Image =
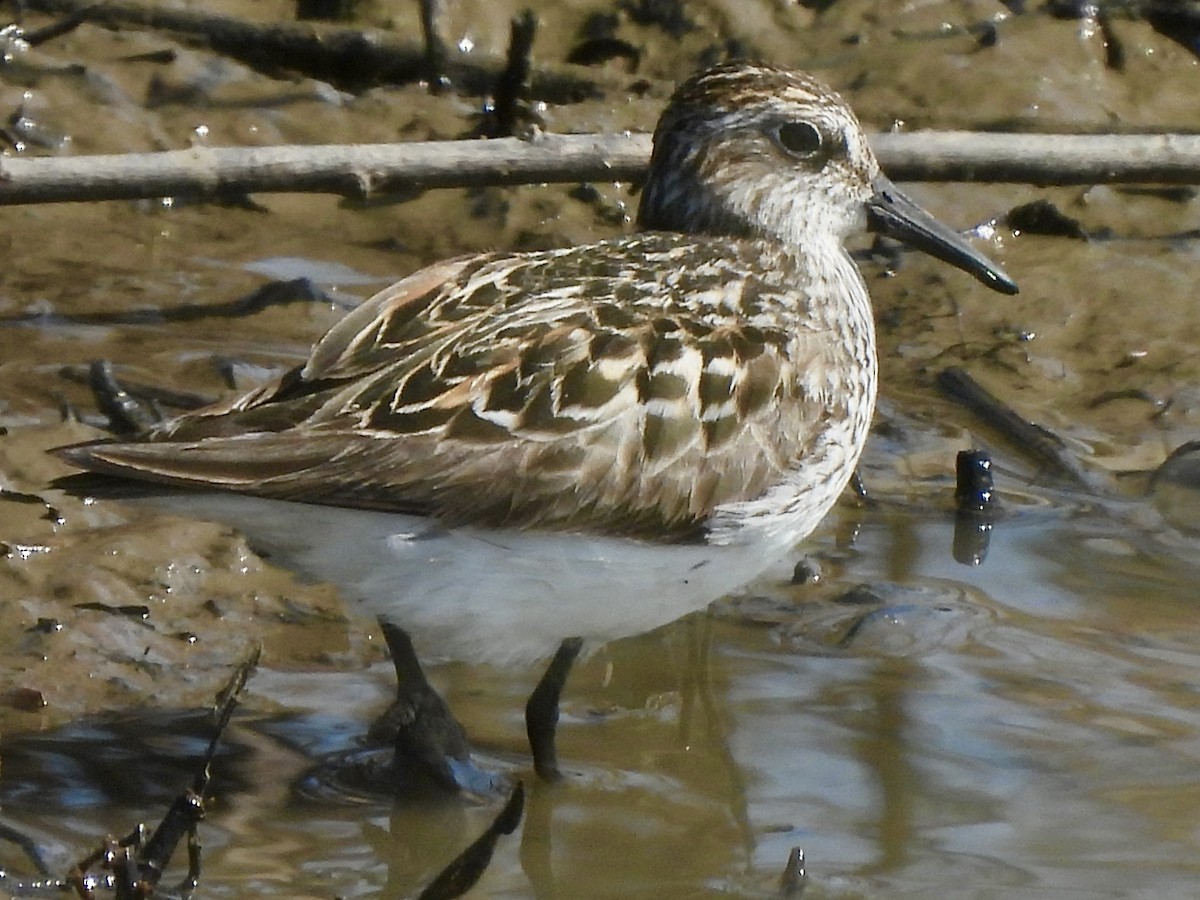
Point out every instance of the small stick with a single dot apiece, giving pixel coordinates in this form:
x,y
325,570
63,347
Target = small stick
x,y
1039,442
28,845
54,30
976,507
149,393
974,491
127,414
795,876
436,53
513,83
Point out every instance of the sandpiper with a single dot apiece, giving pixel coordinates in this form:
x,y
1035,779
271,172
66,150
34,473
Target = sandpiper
x,y
707,383
709,380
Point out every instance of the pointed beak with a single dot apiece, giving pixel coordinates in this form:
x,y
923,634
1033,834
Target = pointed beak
x,y
890,212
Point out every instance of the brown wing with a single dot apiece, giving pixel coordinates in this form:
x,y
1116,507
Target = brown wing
x,y
609,387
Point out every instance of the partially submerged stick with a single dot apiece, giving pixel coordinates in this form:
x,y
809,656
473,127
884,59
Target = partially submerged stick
x,y
1038,442
362,170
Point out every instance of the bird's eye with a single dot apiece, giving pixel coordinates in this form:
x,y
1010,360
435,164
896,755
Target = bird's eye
x,y
800,138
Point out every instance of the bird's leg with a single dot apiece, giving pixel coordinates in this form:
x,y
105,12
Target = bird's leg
x,y
430,744
541,712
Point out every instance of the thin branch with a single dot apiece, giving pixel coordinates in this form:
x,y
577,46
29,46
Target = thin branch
x,y
359,171
1044,159
363,170
433,15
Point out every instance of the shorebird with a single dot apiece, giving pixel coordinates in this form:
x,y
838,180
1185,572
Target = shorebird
x,y
708,381
713,376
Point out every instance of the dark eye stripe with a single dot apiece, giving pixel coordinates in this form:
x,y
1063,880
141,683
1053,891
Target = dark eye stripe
x,y
800,138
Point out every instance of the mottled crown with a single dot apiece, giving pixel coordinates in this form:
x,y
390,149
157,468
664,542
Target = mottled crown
x,y
752,149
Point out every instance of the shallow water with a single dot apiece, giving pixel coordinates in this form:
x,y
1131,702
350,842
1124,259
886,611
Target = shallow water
x,y
1026,727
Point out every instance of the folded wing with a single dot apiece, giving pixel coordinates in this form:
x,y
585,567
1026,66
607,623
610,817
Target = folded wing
x,y
564,389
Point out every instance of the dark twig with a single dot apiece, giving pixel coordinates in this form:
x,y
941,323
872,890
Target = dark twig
x,y
974,490
137,862
150,393
508,108
274,293
27,845
975,499
436,49
794,877
1039,442
65,25
187,810
126,413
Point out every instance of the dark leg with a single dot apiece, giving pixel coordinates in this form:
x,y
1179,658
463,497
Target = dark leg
x,y
541,712
431,746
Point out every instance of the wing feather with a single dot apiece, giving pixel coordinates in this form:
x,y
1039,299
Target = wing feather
x,y
567,389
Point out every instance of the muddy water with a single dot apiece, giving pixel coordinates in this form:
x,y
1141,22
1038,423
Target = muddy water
x,y
1024,727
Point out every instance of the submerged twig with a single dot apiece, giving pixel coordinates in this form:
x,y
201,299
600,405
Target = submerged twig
x,y
28,846
66,25
360,170
148,393
1037,441
137,862
127,413
274,293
